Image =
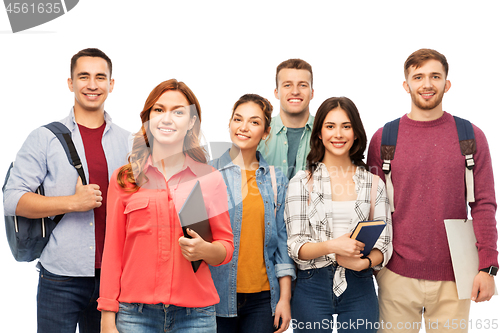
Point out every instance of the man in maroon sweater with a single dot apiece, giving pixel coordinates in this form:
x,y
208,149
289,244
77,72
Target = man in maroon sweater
x,y
428,174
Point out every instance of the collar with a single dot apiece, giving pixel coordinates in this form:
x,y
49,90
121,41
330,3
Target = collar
x,y
226,161
195,167
277,124
359,175
72,123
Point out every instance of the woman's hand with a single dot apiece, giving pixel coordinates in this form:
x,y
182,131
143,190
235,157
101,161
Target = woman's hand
x,y
343,245
352,263
283,311
192,248
347,246
359,264
196,248
108,324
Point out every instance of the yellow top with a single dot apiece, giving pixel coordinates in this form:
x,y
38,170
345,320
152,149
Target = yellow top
x,y
252,275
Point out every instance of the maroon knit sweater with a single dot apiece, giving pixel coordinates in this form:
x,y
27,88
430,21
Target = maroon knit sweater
x,y
428,173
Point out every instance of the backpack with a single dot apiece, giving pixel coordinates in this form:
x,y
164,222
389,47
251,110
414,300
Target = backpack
x,y
27,237
467,146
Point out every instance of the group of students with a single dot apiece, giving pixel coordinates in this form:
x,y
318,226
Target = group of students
x,y
281,204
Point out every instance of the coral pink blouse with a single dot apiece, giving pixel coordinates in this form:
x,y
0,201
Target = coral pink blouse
x,y
142,261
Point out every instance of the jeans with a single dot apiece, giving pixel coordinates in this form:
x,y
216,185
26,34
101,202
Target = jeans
x,y
65,301
314,303
156,318
254,315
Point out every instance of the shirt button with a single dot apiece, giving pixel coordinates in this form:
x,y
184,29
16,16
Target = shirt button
x,y
91,247
284,161
285,142
91,223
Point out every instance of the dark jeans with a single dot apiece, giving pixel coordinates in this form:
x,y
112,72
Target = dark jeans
x,y
254,315
314,303
65,301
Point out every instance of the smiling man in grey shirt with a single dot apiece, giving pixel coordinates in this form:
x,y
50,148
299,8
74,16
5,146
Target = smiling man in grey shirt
x,y
70,263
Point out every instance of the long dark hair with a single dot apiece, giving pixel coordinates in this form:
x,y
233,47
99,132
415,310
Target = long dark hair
x,y
318,149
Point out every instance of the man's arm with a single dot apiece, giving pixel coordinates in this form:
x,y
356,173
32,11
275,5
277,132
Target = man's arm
x,y
86,197
483,212
31,169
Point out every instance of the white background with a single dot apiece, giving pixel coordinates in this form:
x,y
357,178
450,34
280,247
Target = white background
x,y
223,50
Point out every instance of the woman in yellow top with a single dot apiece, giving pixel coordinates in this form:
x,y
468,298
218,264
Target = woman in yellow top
x,y
255,287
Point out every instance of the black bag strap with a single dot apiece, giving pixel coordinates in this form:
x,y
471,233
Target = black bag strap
x,y
468,149
63,134
467,146
387,151
389,140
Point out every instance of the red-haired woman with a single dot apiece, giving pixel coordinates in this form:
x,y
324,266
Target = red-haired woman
x,y
148,283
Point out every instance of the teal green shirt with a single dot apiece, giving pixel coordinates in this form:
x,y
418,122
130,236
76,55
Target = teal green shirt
x,y
275,148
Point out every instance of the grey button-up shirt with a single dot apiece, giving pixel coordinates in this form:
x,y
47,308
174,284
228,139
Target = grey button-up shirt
x,y
71,247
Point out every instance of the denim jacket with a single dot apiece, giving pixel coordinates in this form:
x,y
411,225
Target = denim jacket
x,y
278,263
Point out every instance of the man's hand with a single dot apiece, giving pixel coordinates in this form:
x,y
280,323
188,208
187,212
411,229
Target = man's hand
x,y
34,206
86,197
483,287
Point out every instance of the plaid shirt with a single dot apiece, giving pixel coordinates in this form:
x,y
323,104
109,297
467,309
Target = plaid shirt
x,y
312,222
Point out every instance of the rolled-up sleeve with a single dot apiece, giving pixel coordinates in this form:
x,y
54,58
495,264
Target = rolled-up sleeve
x,y
296,218
220,223
382,211
284,264
28,172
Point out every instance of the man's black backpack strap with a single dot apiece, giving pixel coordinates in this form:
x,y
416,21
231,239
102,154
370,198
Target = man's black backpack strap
x,y
468,148
387,151
64,135
27,237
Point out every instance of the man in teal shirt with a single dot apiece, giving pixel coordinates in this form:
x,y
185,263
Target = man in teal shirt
x,y
288,144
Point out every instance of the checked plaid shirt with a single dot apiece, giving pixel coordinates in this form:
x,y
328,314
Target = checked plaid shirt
x,y
312,222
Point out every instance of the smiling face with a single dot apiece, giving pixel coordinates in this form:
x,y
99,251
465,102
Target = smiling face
x,y
170,119
247,126
294,90
337,134
91,84
427,85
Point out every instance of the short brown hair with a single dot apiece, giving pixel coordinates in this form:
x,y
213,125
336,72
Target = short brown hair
x,y
294,64
419,57
91,52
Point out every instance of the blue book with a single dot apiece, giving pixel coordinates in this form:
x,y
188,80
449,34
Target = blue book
x,y
368,233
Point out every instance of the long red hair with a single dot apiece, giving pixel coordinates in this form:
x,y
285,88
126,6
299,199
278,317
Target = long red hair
x,y
141,148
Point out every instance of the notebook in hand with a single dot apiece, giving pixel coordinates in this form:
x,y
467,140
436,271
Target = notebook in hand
x,y
193,215
368,232
464,255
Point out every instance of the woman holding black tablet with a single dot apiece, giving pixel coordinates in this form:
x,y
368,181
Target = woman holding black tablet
x,y
148,283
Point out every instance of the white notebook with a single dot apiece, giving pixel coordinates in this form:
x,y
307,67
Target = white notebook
x,y
464,256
